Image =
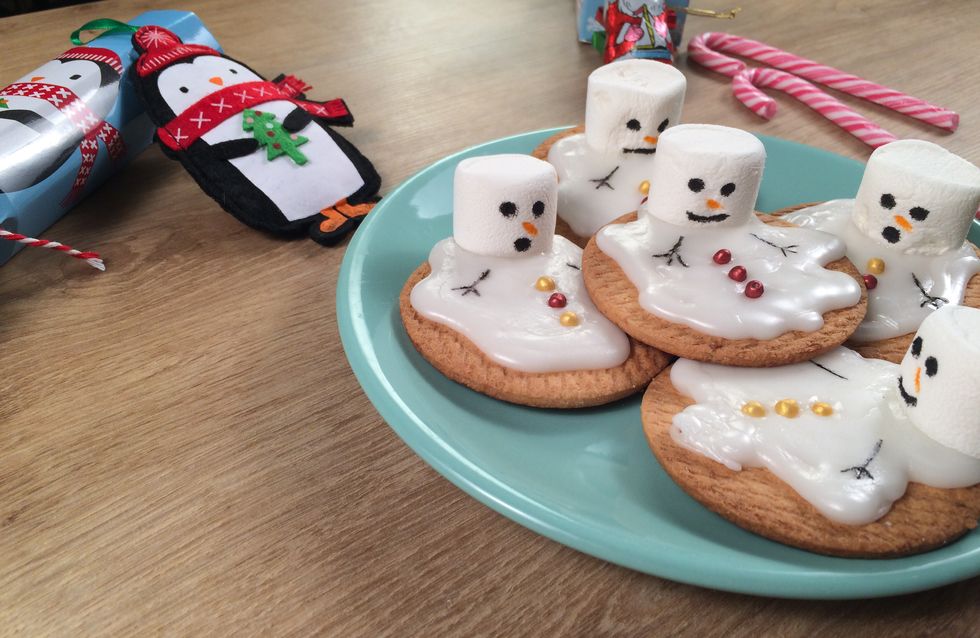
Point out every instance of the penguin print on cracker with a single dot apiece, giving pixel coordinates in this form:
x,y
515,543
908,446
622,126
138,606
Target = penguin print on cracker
x,y
54,111
604,169
262,150
907,230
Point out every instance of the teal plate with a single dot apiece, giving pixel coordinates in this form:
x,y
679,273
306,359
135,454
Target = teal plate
x,y
586,478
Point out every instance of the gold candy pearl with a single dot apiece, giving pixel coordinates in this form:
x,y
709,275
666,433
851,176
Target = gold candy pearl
x,y
754,409
876,266
545,284
787,408
822,409
645,187
568,319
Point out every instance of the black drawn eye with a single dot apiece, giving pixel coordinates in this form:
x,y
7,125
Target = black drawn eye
x,y
183,89
508,209
917,347
74,77
888,201
663,125
633,125
233,71
728,189
696,185
918,213
932,367
538,209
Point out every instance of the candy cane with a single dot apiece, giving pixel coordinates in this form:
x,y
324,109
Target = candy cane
x,y
92,259
704,48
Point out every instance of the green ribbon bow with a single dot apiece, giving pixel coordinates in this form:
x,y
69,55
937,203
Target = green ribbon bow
x,y
108,26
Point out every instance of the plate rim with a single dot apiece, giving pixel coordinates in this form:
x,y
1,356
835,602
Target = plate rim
x,y
812,583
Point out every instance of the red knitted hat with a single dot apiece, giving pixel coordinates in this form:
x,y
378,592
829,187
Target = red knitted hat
x,y
161,48
94,54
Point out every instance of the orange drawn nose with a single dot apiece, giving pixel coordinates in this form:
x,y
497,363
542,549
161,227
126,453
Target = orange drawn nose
x,y
904,223
650,140
918,379
713,205
217,80
531,229
37,78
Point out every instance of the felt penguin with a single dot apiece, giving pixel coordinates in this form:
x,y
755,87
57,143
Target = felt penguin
x,y
54,110
263,151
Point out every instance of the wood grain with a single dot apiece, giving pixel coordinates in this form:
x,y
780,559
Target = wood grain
x,y
183,448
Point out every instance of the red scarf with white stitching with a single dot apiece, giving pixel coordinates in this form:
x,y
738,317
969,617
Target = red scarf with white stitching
x,y
214,108
91,126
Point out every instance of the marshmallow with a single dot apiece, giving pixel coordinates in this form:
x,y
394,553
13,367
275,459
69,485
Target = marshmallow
x,y
917,197
940,381
504,205
629,104
705,176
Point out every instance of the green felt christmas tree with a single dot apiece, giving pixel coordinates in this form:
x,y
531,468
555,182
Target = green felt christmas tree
x,y
270,134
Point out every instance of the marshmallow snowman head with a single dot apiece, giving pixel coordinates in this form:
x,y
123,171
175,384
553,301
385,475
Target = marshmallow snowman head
x,y
917,197
505,205
940,379
628,105
705,176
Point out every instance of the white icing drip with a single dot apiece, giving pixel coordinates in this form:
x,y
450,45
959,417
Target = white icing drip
x,y
815,454
510,320
581,204
798,290
895,305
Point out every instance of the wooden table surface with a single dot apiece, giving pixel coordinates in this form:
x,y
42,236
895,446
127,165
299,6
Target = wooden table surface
x,y
183,447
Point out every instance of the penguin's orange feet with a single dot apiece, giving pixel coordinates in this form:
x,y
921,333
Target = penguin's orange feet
x,y
338,220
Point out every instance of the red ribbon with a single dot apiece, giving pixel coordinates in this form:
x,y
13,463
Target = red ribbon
x,y
214,108
92,127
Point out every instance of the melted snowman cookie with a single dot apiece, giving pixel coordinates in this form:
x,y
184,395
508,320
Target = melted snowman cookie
x,y
604,172
501,306
698,275
902,288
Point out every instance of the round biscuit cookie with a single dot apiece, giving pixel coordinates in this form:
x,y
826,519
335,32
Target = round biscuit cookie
x,y
894,349
617,298
461,360
756,499
541,152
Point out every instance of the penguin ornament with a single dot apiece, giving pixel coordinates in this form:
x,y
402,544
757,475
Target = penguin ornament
x,y
259,148
55,110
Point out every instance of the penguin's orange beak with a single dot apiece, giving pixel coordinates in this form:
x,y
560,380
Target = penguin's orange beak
x,y
904,223
37,78
650,140
918,379
531,229
217,80
713,204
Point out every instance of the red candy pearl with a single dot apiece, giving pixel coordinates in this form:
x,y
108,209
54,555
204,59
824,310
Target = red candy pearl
x,y
722,257
754,289
738,273
870,282
557,300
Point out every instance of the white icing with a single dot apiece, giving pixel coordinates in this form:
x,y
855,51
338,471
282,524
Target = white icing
x,y
814,454
585,204
896,306
510,320
798,290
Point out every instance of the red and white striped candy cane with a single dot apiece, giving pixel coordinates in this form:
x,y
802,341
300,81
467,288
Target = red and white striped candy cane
x,y
92,259
704,49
